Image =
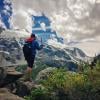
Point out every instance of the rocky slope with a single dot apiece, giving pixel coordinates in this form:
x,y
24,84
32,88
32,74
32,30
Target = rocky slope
x,y
6,95
67,57
11,53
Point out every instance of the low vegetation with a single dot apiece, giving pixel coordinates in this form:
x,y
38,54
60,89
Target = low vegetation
x,y
67,85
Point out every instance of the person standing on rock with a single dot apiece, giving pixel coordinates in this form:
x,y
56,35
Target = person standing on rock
x,y
29,49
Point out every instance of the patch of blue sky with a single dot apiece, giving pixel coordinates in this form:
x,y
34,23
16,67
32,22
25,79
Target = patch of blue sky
x,y
5,14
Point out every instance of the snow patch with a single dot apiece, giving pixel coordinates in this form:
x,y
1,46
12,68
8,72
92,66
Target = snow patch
x,y
56,44
14,34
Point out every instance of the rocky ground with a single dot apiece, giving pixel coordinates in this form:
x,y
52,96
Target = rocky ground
x,y
12,87
6,95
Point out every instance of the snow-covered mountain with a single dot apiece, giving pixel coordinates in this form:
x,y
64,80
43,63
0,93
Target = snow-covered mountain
x,y
14,34
66,57
51,54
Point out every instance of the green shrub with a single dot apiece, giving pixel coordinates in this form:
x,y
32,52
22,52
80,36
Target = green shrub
x,y
21,68
66,85
39,93
65,80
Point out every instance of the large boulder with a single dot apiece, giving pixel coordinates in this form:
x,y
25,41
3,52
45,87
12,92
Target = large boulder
x,y
10,51
44,74
6,95
24,88
8,75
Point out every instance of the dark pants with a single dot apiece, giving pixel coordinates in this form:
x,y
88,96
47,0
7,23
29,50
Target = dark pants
x,y
30,60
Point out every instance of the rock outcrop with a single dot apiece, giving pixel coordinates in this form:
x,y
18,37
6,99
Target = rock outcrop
x,y
8,75
44,73
8,79
6,95
10,51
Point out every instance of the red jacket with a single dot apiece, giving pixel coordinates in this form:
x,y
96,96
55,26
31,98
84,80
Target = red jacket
x,y
29,39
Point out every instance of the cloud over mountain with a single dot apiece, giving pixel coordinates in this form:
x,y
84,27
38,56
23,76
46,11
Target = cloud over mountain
x,y
74,20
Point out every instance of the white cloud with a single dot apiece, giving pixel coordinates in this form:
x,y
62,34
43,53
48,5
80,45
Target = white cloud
x,y
2,24
7,1
97,1
80,18
56,44
21,20
7,7
43,26
90,48
6,12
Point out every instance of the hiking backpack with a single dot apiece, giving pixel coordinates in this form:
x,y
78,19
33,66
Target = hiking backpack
x,y
27,49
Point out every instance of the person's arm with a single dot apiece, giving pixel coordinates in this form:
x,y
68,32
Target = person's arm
x,y
38,47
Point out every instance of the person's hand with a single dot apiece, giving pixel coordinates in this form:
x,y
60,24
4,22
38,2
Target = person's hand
x,y
42,45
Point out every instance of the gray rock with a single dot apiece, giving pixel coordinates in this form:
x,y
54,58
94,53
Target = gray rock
x,y
24,88
6,95
8,75
44,73
10,51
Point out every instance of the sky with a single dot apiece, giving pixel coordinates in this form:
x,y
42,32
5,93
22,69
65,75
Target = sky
x,y
5,13
74,20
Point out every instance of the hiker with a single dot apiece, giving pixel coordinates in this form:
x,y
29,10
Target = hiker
x,y
29,49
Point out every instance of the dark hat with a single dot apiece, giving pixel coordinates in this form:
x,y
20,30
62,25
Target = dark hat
x,y
33,35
